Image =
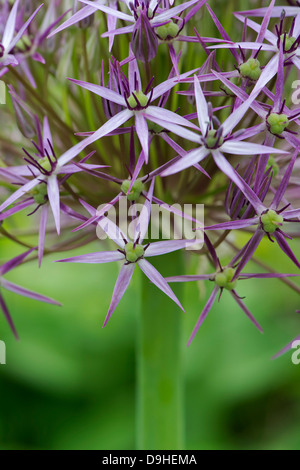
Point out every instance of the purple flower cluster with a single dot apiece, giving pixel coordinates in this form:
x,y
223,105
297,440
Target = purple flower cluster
x,y
220,133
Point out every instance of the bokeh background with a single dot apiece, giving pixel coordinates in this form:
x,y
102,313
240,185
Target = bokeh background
x,y
69,384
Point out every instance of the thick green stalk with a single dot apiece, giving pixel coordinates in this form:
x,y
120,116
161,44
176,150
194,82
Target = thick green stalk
x,y
160,417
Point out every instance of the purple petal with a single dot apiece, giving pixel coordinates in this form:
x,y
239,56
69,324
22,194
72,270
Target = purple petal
x,y
122,283
10,26
234,224
110,11
158,280
143,221
167,246
95,258
287,348
20,192
101,91
227,169
175,11
185,278
53,195
204,313
47,137
142,133
108,127
23,29
195,156
78,16
247,312
266,276
265,23
166,115
202,109
276,12
170,126
249,251
285,247
7,316
113,231
27,293
169,84
14,210
13,263
248,148
284,182
42,232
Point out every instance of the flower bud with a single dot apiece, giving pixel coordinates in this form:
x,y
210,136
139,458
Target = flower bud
x,y
136,190
224,278
271,221
144,42
277,123
251,69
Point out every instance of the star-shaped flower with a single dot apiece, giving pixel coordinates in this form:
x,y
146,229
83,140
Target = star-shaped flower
x,y
216,141
138,104
269,221
45,168
224,278
133,252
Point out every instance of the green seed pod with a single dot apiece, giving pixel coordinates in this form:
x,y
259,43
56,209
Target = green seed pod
x,y
271,221
289,42
136,190
167,31
141,97
224,278
277,123
212,139
251,69
133,253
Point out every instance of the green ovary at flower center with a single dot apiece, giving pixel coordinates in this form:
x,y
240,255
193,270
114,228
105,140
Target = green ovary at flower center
x,y
140,97
212,140
251,69
136,190
289,42
277,123
169,30
39,194
224,278
45,164
271,221
133,252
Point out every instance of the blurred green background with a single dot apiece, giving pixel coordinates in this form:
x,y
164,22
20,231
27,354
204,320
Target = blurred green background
x,y
69,384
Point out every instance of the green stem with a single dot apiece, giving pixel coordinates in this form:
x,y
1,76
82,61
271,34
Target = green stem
x,y
160,423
